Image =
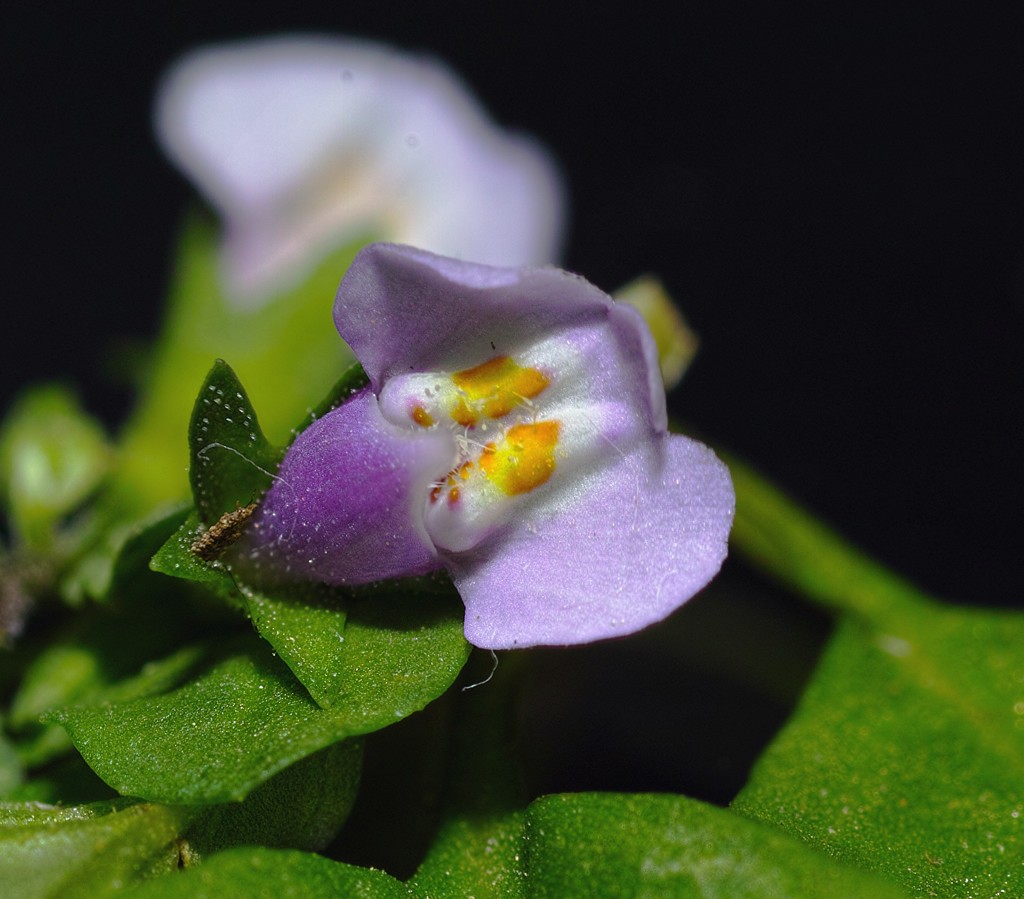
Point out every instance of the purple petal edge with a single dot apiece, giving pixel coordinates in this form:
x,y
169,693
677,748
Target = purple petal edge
x,y
401,309
640,539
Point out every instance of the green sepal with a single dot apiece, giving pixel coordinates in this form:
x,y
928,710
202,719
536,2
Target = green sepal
x,y
351,382
231,462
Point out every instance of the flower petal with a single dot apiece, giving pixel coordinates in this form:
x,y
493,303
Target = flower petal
x,y
403,309
347,505
306,143
636,541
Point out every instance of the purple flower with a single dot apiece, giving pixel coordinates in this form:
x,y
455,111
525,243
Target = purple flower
x,y
514,434
308,143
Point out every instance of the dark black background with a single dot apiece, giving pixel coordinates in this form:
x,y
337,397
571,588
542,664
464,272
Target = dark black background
x,y
836,199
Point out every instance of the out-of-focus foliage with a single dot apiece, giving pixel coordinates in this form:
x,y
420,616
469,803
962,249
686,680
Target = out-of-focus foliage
x,y
52,456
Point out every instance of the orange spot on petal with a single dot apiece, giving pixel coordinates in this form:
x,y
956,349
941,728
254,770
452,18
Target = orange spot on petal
x,y
463,414
421,416
496,387
524,459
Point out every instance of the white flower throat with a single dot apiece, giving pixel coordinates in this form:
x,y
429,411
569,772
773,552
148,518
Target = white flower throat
x,y
516,426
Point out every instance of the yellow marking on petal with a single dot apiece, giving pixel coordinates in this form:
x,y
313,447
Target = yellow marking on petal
x,y
463,414
524,459
495,387
451,483
421,416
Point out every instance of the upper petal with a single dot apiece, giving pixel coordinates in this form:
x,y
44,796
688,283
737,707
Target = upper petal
x,y
347,503
403,309
633,542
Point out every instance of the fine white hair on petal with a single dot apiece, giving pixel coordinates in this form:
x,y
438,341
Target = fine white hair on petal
x,y
304,143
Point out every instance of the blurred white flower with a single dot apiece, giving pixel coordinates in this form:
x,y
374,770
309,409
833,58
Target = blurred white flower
x,y
305,144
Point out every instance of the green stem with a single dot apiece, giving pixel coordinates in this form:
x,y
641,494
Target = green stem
x,y
779,537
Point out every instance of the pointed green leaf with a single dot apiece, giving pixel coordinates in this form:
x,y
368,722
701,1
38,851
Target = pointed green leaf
x,y
218,737
69,674
231,462
175,558
257,873
131,578
305,624
604,844
213,740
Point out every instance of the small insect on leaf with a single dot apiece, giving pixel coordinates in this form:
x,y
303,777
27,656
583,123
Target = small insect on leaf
x,y
212,542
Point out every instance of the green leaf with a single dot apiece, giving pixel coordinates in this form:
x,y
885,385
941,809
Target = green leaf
x,y
286,350
50,741
213,740
131,578
66,781
10,766
176,559
51,457
97,848
609,845
95,659
257,873
105,652
100,657
116,561
232,464
305,624
303,807
86,851
221,735
906,754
